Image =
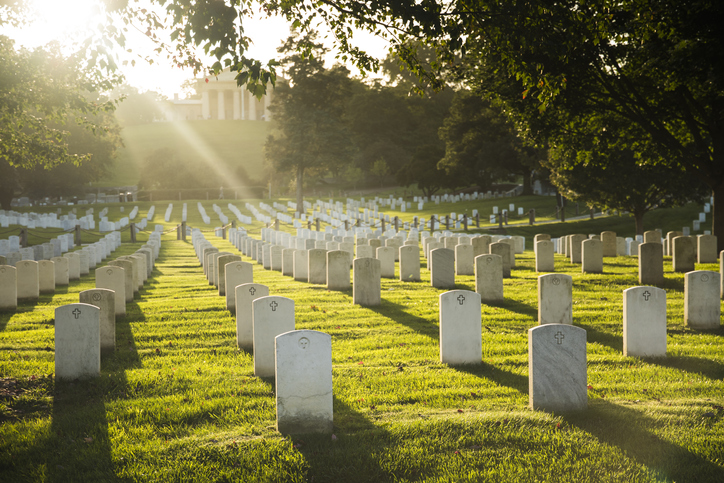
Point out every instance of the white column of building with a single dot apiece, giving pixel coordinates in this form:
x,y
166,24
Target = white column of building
x,y
237,100
244,117
222,114
252,107
205,108
267,101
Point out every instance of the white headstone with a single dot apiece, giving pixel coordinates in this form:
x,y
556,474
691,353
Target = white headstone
x,y
8,288
442,268
489,277
557,379
236,273
303,383
245,296
651,263
644,322
46,276
317,266
77,341
62,275
113,278
221,264
301,265
410,263
464,260
544,256
702,299
366,287
460,327
386,256
272,315
338,262
555,299
27,276
105,300
592,256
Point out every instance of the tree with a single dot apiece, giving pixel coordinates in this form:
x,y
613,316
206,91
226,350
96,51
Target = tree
x,y
137,107
380,170
482,146
423,170
600,162
353,175
308,106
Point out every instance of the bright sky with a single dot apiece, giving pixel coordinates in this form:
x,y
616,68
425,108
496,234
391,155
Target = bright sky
x,y
70,20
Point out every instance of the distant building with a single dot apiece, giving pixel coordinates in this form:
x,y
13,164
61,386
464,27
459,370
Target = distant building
x,y
221,99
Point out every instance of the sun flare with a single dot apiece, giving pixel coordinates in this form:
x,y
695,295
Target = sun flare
x,y
63,21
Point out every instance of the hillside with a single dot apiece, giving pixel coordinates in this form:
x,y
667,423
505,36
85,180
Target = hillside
x,y
226,142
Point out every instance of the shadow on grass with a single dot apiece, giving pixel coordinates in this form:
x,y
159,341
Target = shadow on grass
x,y
397,314
696,365
357,441
498,376
81,446
517,307
612,341
627,429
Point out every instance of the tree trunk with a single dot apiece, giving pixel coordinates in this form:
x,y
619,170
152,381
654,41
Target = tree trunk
x,y
527,185
300,189
717,216
639,219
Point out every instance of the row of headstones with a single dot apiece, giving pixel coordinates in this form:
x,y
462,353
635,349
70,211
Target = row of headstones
x,y
701,248
11,250
299,360
86,330
646,306
27,279
313,267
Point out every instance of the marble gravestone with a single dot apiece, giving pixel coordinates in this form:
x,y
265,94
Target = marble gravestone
x,y
442,268
557,378
410,263
221,263
592,256
489,277
503,251
366,284
272,315
77,341
608,244
644,322
27,277
8,288
113,278
460,327
706,248
683,254
337,270
62,275
575,248
555,299
73,266
105,300
317,266
464,260
386,256
245,296
46,276
303,382
544,259
651,263
129,284
236,273
288,262
365,251
702,300
301,265
275,255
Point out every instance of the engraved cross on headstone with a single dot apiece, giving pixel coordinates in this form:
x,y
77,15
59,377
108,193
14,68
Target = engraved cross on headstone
x,y
273,306
461,299
646,295
252,290
76,312
559,337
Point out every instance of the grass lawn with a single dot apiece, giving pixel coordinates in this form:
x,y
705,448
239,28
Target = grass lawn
x,y
178,401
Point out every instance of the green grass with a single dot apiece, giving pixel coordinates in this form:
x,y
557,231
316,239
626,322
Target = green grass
x,y
230,142
178,401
